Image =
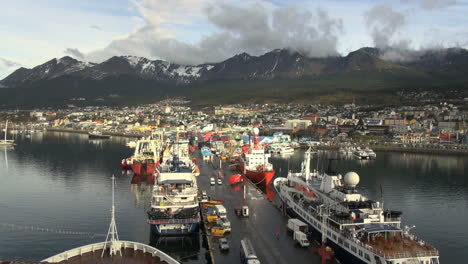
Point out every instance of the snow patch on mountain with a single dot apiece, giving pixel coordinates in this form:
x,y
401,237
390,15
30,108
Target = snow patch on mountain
x,y
133,60
187,71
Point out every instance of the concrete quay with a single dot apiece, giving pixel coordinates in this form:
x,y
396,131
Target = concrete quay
x,y
260,227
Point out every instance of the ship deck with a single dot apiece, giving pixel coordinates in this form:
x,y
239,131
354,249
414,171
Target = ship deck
x,y
402,246
129,256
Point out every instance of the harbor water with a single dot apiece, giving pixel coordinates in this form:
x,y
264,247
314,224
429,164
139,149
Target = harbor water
x,y
55,194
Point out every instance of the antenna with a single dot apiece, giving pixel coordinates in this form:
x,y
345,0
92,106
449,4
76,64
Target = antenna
x,y
112,235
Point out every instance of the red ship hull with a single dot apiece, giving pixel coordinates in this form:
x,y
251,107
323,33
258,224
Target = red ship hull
x,y
258,177
144,168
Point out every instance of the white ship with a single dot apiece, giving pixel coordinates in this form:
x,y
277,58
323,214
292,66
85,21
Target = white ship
x,y
174,204
359,230
360,154
370,153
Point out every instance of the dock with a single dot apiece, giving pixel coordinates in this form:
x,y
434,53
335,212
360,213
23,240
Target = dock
x,y
260,227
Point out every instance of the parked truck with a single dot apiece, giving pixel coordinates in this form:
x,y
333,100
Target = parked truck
x,y
295,224
301,238
247,253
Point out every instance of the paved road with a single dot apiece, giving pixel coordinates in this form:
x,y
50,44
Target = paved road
x,y
260,227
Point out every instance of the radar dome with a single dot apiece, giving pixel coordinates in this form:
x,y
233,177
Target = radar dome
x,y
256,131
351,179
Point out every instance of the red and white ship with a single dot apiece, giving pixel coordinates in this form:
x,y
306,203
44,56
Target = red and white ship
x,y
146,157
254,163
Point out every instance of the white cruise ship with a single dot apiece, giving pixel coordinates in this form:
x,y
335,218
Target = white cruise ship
x,y
359,230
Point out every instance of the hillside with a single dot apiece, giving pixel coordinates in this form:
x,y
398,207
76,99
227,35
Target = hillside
x,y
276,76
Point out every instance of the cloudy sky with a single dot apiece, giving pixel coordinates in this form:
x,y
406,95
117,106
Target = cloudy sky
x,y
197,31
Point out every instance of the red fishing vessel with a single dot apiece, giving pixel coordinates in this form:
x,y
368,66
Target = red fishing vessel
x,y
146,158
254,163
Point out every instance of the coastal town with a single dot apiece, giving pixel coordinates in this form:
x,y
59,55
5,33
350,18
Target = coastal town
x,y
436,127
186,155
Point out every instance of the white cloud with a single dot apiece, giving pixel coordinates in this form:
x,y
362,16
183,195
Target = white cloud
x,y
194,31
254,27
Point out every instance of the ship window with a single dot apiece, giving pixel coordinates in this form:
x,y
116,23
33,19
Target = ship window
x,y
366,256
346,244
353,248
340,240
377,260
328,233
360,253
334,237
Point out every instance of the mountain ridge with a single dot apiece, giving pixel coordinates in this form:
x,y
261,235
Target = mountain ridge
x,y
280,68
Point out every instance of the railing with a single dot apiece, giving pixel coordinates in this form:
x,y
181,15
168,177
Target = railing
x,y
173,221
187,191
167,203
397,255
103,245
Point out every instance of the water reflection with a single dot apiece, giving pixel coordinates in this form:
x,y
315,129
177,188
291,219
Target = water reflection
x,y
185,249
141,194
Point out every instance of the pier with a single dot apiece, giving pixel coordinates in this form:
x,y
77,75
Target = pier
x,y
260,227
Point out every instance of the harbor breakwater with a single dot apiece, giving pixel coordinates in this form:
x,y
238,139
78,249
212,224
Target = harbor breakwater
x,y
110,133
434,151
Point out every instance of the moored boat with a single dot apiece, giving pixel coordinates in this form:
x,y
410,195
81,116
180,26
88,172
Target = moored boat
x,y
174,204
360,154
359,230
96,134
254,163
146,156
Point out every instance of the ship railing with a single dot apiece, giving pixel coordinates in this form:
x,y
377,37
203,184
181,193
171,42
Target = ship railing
x,y
398,255
187,191
392,219
173,220
64,256
166,203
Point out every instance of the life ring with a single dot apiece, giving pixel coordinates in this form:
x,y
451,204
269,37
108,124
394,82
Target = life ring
x,y
259,167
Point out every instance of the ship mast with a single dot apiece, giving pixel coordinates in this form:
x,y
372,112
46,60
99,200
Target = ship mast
x,y
307,165
6,130
112,235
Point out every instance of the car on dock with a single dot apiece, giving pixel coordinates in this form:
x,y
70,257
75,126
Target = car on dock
x,y
204,197
212,181
223,244
220,182
225,223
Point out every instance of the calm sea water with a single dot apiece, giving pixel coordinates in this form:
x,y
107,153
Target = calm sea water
x,y
55,194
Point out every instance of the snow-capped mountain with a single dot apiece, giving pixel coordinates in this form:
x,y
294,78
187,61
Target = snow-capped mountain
x,y
241,77
130,65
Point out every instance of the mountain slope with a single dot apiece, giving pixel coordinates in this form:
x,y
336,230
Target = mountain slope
x,y
273,76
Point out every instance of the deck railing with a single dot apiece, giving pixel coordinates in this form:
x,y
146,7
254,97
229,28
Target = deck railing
x,y
103,245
